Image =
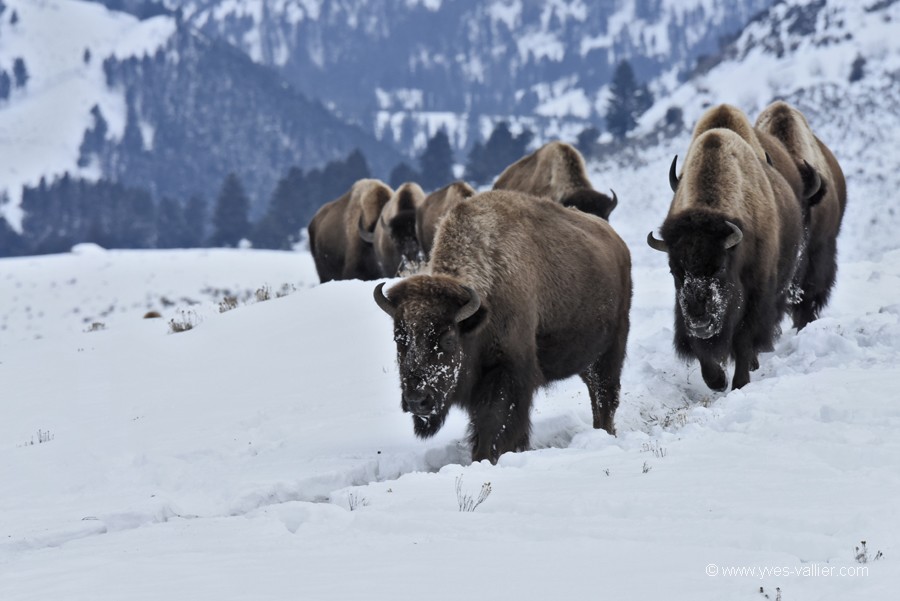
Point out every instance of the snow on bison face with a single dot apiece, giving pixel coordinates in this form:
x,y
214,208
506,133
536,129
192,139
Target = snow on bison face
x,y
429,326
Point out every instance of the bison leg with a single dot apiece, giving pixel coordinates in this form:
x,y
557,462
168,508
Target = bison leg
x,y
820,276
603,379
713,374
745,358
499,413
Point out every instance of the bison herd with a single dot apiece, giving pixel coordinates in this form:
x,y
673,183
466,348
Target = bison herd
x,y
508,290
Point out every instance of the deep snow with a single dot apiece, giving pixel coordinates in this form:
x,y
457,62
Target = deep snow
x,y
221,463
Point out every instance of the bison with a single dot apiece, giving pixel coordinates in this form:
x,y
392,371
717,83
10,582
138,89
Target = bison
x,y
825,207
556,170
433,209
339,231
732,236
497,316
803,179
396,245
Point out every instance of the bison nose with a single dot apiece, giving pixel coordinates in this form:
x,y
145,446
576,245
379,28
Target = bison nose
x,y
419,402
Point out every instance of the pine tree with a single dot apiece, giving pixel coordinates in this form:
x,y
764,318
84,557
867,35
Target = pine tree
x,y
195,219
282,219
502,148
5,85
20,72
436,162
171,226
402,173
230,223
94,138
628,101
587,140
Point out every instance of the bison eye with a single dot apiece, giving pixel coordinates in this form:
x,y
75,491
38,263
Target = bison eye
x,y
448,341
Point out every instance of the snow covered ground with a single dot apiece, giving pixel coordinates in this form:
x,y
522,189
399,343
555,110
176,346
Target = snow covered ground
x,y
263,454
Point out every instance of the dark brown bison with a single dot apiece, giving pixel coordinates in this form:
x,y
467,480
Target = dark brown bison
x,y
338,229
826,207
397,249
433,209
498,316
732,236
556,170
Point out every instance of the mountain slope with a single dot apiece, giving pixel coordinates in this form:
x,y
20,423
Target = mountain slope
x,y
404,69
178,111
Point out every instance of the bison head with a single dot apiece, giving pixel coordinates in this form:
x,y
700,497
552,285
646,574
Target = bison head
x,y
434,319
593,202
701,251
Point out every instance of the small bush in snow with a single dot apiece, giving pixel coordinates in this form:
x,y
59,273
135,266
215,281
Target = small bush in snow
x,y
96,327
186,322
647,467
766,595
285,290
42,437
466,501
653,447
263,294
228,303
355,502
862,553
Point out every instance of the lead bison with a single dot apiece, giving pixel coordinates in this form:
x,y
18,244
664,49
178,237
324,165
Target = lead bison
x,y
732,236
825,212
556,170
396,245
338,229
498,316
434,207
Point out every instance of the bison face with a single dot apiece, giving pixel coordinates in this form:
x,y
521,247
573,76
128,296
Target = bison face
x,y
431,331
701,259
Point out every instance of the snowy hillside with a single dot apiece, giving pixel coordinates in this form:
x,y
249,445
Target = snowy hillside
x,y
43,123
803,51
263,455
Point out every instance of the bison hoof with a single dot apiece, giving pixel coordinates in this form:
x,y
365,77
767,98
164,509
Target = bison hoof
x,y
714,376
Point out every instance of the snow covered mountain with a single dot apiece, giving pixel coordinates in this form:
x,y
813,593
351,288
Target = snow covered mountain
x,y
175,111
405,69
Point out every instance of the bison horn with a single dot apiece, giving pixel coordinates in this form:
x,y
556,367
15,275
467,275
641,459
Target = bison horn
x,y
673,176
469,309
735,237
365,234
615,200
812,181
384,302
657,244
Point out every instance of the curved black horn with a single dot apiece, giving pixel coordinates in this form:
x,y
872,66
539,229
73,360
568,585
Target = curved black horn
x,y
812,181
384,302
469,309
673,176
615,200
735,237
657,244
365,234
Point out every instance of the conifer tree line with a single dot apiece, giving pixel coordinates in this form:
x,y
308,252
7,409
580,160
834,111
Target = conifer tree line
x,y
67,211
